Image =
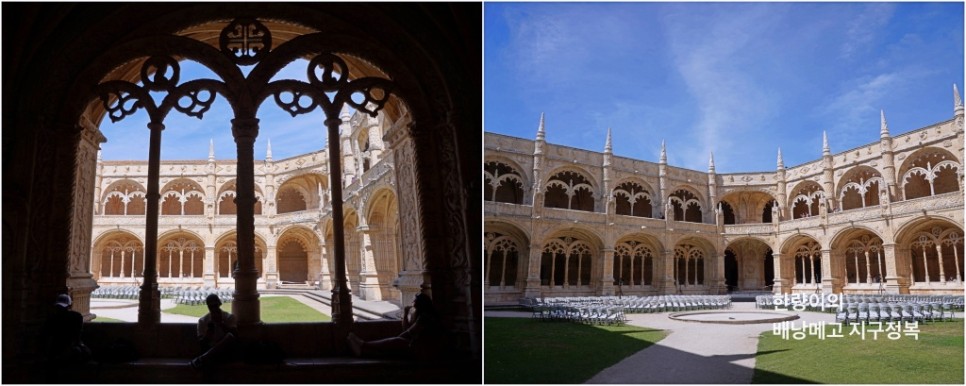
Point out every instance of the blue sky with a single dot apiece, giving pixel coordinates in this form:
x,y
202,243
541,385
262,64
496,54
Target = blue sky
x,y
187,138
736,79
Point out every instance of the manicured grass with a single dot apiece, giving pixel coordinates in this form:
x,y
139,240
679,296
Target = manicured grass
x,y
937,357
520,350
104,319
274,309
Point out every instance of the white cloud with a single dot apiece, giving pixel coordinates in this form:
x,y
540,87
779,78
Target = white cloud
x,y
712,60
864,27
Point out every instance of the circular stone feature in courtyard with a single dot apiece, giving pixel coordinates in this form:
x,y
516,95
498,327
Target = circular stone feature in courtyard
x,y
733,317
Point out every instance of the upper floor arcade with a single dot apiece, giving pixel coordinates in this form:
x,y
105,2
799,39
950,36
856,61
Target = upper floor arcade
x,y
534,178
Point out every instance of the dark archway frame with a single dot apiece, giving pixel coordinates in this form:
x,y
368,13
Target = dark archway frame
x,y
59,53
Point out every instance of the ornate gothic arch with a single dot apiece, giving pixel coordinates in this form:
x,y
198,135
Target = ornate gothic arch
x,y
430,145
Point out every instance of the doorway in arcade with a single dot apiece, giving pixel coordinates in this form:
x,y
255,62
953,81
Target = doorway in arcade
x,y
749,266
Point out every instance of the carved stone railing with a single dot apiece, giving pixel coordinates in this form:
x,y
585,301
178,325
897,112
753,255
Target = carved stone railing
x,y
742,229
801,223
570,215
949,200
684,226
492,208
299,217
855,215
382,169
624,220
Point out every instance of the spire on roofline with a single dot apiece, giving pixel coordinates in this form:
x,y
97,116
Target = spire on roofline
x,y
607,144
825,148
663,153
541,134
883,126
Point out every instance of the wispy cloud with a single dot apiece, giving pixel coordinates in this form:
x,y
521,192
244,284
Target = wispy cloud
x,y
864,27
712,60
854,111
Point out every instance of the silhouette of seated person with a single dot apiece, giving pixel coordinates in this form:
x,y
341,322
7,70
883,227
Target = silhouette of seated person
x,y
62,332
217,334
423,335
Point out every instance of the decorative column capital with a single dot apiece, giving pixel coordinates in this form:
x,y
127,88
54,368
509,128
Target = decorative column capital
x,y
244,129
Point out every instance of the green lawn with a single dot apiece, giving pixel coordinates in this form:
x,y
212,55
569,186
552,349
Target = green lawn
x,y
274,309
104,319
520,350
937,357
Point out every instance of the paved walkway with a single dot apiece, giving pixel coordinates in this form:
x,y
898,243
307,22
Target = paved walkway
x,y
692,352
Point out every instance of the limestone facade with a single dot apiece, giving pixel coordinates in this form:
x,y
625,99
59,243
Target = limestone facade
x,y
293,221
883,217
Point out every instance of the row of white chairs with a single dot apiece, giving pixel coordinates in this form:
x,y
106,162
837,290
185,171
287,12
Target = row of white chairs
x,y
181,295
953,302
116,292
893,312
670,303
580,313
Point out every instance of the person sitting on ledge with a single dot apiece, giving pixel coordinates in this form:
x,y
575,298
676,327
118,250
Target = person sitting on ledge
x,y
63,330
423,335
217,334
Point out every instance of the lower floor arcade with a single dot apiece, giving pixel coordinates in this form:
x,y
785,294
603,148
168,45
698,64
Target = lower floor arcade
x,y
923,255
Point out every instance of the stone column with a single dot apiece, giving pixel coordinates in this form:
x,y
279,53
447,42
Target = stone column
x,y
368,280
149,305
271,266
413,276
532,289
341,299
246,305
719,275
780,284
826,271
325,277
80,281
208,276
893,282
607,277
668,263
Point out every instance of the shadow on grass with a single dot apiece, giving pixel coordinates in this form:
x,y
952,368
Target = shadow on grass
x,y
521,350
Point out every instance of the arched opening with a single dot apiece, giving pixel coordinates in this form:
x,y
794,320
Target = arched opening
x,y
727,212
566,263
180,256
805,199
632,199
502,183
569,190
290,200
686,206
860,188
731,270
753,264
383,246
118,258
689,263
633,264
768,210
929,171
502,255
293,262
746,206
226,252
805,254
